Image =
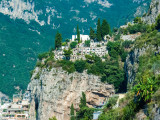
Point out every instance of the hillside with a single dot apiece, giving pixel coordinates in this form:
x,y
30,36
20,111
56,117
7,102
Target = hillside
x,y
28,27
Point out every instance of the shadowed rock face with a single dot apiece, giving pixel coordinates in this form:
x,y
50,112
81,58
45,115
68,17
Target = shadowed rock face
x,y
153,12
55,91
132,63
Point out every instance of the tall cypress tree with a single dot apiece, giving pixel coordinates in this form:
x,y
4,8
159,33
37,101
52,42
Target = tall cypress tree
x,y
92,34
99,37
83,100
105,28
58,40
78,34
72,113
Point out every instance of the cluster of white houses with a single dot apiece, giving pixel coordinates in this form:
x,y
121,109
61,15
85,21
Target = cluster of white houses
x,y
98,48
16,109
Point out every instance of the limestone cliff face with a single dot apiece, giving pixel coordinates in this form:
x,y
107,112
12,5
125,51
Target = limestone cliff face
x,y
55,90
132,63
153,12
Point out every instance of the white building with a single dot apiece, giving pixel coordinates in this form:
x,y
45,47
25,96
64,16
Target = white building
x,y
82,37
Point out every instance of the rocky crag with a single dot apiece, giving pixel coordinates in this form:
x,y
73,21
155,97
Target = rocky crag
x,y
153,12
132,63
54,90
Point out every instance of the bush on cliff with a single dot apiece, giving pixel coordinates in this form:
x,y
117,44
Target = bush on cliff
x,y
80,65
85,113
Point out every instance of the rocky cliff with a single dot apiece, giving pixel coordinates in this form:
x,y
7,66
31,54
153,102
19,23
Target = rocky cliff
x,y
132,63
153,12
53,91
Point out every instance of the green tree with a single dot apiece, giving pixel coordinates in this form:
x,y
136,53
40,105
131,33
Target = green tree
x,y
92,34
85,113
73,45
99,37
80,65
53,118
87,43
157,25
58,40
78,34
67,53
113,49
72,113
144,90
105,28
137,20
83,101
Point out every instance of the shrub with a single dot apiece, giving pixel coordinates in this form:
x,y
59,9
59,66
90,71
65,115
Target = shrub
x,y
67,53
127,44
73,45
53,118
111,102
64,44
38,64
67,65
80,65
87,43
43,55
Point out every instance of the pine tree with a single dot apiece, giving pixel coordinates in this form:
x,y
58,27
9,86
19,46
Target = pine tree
x,y
78,34
105,28
92,34
99,38
72,113
83,100
58,40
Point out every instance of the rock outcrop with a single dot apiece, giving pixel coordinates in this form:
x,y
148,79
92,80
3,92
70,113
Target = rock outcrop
x,y
132,63
53,91
153,12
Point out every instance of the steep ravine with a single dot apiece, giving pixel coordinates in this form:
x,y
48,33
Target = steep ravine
x,y
55,90
132,63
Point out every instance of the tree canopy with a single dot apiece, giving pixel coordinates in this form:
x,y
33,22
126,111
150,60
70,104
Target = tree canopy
x,y
105,28
73,44
99,37
67,53
92,34
78,34
80,65
72,113
58,40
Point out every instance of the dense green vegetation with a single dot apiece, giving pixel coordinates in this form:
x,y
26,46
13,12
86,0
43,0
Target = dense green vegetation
x,y
73,44
105,28
80,65
72,116
53,118
87,43
102,30
58,40
67,53
146,85
78,34
111,70
92,34
111,102
99,38
84,113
